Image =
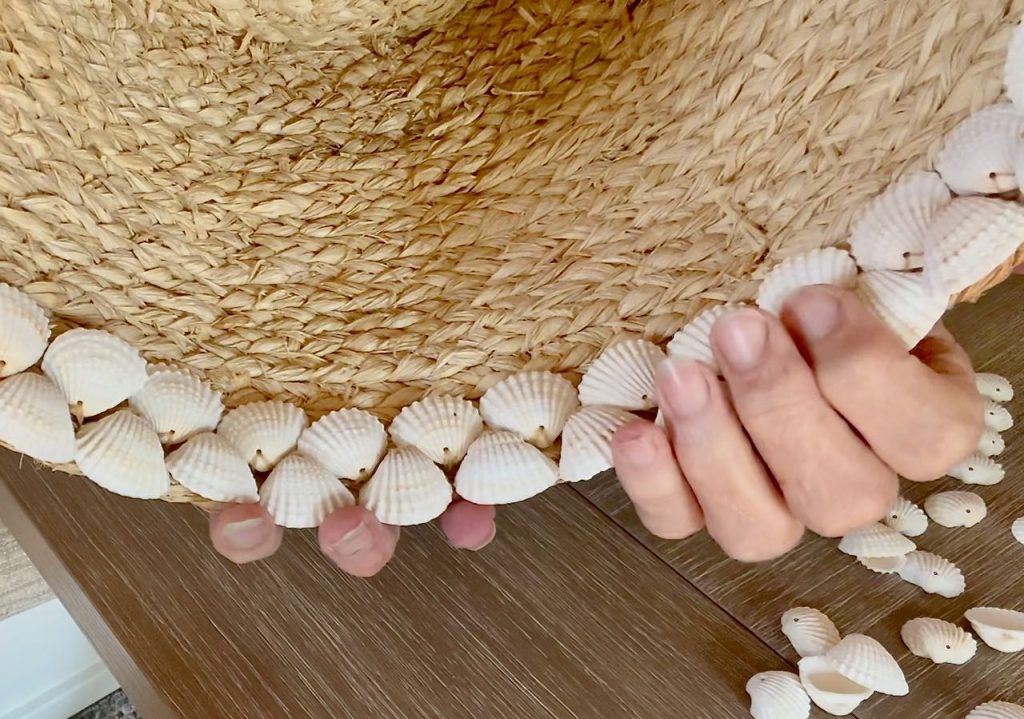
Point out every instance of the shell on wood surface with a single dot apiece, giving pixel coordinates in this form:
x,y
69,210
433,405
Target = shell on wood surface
x,y
993,386
300,493
997,417
777,695
865,661
826,266
441,427
991,444
884,565
407,488
534,405
904,301
24,331
933,574
997,710
34,418
349,443
263,432
623,376
1001,629
94,369
122,453
210,466
978,469
693,341
587,441
956,509
177,403
906,518
501,468
1013,69
938,640
1017,529
810,631
875,540
980,154
828,689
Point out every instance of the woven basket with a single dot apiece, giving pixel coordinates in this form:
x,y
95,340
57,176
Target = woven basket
x,y
352,202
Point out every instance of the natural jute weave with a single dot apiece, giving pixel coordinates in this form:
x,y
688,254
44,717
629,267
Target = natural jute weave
x,y
345,203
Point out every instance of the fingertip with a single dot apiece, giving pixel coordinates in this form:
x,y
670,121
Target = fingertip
x,y
468,526
245,533
356,541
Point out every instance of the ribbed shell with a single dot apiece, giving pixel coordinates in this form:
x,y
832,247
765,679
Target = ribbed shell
x,y
94,369
587,441
979,157
906,518
863,660
349,443
122,454
978,469
1013,70
884,565
956,509
997,710
991,444
263,432
177,403
777,695
693,341
938,640
1001,629
441,427
211,467
623,376
534,405
300,493
829,689
826,266
501,468
994,387
406,489
24,331
933,574
1017,529
875,540
997,417
904,301
810,631
34,418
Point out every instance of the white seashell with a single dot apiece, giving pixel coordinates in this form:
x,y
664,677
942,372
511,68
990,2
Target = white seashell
x,y
440,427
826,266
623,376
863,660
24,331
263,432
300,493
211,467
934,574
349,443
1001,629
907,518
94,369
956,509
810,631
991,444
406,489
177,403
940,641
994,387
778,695
884,565
978,469
1017,529
979,157
34,418
970,237
889,235
693,341
903,301
587,441
997,417
875,540
534,405
997,710
828,689
1013,70
122,454
501,468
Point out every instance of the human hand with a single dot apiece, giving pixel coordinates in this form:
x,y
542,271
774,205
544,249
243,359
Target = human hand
x,y
816,416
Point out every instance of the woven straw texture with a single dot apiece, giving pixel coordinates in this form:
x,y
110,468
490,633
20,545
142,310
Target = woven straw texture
x,y
345,203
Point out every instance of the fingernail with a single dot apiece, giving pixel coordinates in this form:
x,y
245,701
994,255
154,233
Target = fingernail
x,y
682,388
484,543
816,312
635,444
246,534
741,336
359,539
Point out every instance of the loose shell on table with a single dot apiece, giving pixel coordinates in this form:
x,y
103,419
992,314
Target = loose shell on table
x,y
210,466
1001,629
956,509
994,387
875,540
777,695
933,574
997,710
865,661
177,403
300,493
94,369
904,301
587,441
693,341
1013,69
828,689
1017,529
623,376
122,453
501,468
884,565
978,469
810,631
991,444
997,417
263,432
534,405
34,418
24,331
938,640
407,488
826,266
349,443
979,157
906,518
889,235
441,427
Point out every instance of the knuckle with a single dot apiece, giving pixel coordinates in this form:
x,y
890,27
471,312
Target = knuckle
x,y
858,511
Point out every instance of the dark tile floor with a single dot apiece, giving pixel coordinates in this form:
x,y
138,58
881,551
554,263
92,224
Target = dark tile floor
x,y
112,706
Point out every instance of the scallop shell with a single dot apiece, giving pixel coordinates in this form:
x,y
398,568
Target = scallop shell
x,y
34,418
406,489
1001,629
907,518
934,574
810,631
978,469
778,695
969,238
904,301
263,432
693,341
863,660
1017,529
623,376
884,565
829,689
501,468
956,509
211,467
177,403
24,331
94,369
994,387
534,405
440,427
938,640
300,493
1013,70
991,444
122,454
587,441
979,157
997,417
349,443
997,710
875,540
889,235
827,266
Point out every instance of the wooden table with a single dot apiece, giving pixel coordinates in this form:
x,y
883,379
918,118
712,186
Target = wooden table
x,y
574,611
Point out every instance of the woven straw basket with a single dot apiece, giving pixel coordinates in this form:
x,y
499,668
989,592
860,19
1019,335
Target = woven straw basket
x,y
350,203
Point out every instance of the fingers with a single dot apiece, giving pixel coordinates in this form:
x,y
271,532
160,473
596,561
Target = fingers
x,y
245,533
919,419
650,476
468,526
356,541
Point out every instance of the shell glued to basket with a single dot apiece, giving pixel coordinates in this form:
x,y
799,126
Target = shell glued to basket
x,y
240,218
